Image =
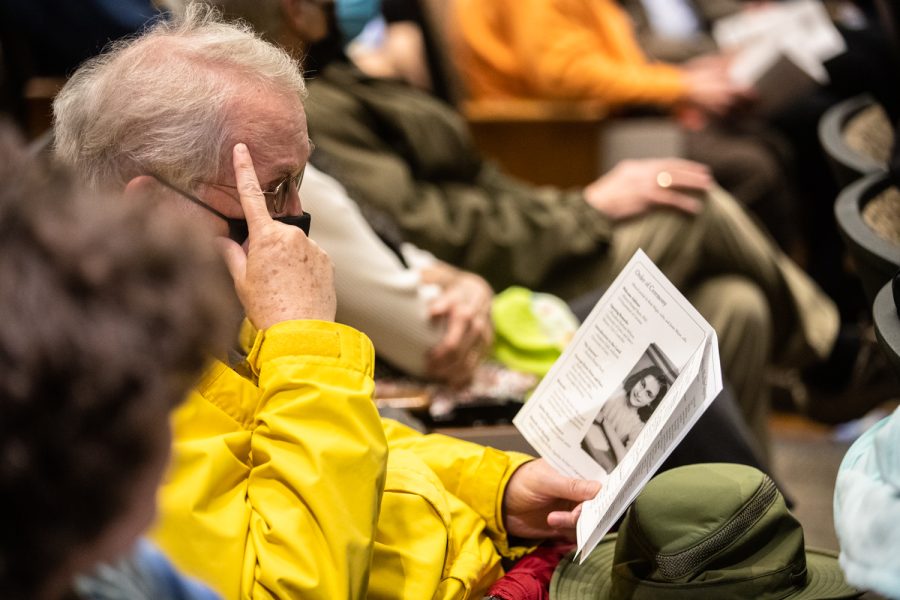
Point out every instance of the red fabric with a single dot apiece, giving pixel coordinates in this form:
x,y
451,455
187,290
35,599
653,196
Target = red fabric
x,y
530,578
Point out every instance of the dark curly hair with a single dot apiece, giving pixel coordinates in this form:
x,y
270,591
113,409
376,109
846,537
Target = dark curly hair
x,y
644,412
110,309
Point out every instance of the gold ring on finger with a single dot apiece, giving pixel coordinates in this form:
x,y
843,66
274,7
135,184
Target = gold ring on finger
x,y
664,179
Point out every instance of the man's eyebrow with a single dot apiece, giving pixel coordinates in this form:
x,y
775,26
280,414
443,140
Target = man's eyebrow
x,y
284,171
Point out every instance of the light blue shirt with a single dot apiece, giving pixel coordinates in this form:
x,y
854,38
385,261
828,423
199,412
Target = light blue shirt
x,y
867,509
145,575
672,18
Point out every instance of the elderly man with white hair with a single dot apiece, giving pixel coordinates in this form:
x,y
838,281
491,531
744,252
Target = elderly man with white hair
x,y
281,484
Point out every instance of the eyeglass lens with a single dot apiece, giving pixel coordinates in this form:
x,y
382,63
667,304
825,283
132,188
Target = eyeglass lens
x,y
279,196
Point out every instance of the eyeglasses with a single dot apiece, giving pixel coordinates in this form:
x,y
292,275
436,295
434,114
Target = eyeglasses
x,y
276,199
237,228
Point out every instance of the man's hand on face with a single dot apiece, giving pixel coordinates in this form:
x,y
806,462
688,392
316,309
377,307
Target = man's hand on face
x,y
465,305
634,187
540,503
282,275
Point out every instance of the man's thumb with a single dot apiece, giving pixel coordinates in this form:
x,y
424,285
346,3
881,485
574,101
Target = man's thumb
x,y
583,489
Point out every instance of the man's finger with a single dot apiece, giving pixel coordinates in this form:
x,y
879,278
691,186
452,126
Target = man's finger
x,y
445,366
582,489
570,488
683,164
252,200
563,519
440,306
691,180
683,202
454,362
456,329
471,335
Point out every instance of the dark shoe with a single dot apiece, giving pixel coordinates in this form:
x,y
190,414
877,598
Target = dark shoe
x,y
850,393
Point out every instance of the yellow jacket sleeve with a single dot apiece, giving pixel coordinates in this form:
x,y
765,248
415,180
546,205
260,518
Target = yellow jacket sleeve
x,y
475,474
275,490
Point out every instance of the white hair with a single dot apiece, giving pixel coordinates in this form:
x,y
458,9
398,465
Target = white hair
x,y
162,102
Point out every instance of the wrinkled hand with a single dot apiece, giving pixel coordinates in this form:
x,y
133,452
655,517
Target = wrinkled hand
x,y
710,88
282,275
465,306
634,187
540,503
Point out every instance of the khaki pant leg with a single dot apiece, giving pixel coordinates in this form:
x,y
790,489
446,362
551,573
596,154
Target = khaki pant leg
x,y
805,321
739,312
672,239
722,240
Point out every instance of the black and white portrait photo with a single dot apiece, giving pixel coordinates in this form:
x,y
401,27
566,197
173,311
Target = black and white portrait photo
x,y
629,407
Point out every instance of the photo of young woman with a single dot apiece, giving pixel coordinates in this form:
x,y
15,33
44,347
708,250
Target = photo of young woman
x,y
624,414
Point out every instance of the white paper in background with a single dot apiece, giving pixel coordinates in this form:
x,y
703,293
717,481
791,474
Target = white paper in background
x,y
642,319
747,27
811,31
800,30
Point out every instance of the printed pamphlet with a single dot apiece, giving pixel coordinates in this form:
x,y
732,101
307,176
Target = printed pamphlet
x,y
638,374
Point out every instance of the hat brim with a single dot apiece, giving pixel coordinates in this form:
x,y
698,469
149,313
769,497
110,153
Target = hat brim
x,y
824,579
591,580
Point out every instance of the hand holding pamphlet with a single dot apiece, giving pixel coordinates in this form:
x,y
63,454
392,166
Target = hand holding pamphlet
x,y
638,374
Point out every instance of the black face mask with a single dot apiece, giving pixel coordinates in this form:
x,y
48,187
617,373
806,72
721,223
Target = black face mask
x,y
238,231
237,228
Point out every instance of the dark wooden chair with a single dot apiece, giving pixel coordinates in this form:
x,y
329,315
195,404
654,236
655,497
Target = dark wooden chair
x,y
544,142
38,98
27,95
876,259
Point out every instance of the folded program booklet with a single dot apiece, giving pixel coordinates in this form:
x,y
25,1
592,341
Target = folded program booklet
x,y
638,374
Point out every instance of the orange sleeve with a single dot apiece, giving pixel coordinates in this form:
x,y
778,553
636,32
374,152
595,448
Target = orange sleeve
x,y
572,49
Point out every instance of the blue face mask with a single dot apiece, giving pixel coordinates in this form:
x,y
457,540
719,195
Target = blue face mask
x,y
353,15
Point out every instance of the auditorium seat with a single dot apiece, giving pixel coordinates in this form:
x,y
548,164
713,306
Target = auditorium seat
x,y
876,258
855,135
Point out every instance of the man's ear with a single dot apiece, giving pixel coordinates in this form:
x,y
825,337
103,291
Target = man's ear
x,y
141,188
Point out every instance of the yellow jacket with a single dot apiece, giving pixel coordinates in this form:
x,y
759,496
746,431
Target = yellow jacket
x,y
281,485
557,49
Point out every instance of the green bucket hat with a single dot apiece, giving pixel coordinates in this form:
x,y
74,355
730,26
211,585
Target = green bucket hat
x,y
717,531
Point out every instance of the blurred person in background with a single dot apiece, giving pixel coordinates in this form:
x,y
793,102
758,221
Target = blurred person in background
x,y
110,310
